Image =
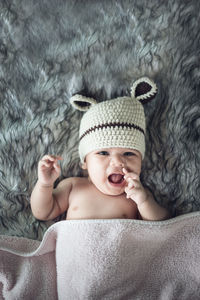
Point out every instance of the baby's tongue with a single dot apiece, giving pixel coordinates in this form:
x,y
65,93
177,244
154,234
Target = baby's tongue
x,y
116,178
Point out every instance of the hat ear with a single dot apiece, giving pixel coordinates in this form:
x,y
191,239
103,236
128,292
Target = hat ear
x,y
82,103
144,90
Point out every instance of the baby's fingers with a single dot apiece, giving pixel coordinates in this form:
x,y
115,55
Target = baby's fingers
x,y
129,192
56,166
130,175
45,163
131,184
51,158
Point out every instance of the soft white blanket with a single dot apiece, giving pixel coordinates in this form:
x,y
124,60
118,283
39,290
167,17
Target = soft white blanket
x,y
105,259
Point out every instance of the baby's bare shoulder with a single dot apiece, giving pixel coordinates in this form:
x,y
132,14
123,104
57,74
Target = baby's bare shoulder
x,y
72,181
65,186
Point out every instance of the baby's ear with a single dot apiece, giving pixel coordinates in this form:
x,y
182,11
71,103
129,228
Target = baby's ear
x,y
83,165
144,90
82,103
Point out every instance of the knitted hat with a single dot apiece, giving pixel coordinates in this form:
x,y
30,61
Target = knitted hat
x,y
118,122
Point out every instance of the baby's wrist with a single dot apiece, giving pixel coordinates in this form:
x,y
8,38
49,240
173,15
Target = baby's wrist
x,y
44,185
144,200
142,203
147,199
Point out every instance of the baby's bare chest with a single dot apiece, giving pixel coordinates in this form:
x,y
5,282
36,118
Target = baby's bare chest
x,y
87,203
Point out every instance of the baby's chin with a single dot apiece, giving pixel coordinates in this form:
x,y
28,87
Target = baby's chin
x,y
114,194
112,191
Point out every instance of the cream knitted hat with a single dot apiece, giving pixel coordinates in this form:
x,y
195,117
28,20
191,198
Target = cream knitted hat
x,y
118,122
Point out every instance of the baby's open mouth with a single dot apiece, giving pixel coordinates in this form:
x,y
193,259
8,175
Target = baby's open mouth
x,y
116,178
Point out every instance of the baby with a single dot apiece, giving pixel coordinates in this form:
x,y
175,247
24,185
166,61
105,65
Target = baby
x,y
111,149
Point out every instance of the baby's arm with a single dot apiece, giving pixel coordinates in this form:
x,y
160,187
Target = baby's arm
x,y
148,208
48,203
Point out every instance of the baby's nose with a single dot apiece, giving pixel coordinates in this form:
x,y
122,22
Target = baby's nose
x,y
117,161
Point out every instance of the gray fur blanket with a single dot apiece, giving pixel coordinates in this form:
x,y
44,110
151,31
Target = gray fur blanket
x,y
52,49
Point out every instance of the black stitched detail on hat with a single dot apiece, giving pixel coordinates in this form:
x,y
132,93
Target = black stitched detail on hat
x,y
112,125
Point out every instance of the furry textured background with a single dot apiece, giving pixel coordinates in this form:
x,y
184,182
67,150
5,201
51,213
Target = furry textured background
x,y
52,49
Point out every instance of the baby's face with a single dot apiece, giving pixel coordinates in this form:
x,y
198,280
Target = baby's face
x,y
105,168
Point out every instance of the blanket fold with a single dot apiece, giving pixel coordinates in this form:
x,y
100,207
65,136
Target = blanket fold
x,y
105,259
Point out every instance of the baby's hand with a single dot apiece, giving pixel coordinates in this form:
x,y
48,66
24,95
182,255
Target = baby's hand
x,y
48,170
134,189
